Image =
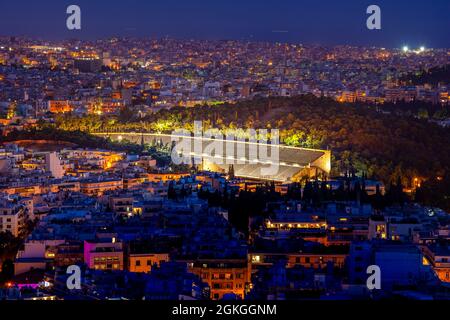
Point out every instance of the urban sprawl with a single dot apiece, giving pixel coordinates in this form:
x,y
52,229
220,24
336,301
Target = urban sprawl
x,y
140,227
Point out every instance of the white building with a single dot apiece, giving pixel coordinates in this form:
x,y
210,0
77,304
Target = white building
x,y
53,165
12,218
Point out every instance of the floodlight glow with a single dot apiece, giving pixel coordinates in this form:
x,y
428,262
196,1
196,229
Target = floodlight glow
x,y
405,49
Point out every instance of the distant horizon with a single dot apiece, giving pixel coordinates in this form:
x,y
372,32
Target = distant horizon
x,y
328,23
306,44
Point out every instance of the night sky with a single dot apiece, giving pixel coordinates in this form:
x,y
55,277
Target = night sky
x,y
404,22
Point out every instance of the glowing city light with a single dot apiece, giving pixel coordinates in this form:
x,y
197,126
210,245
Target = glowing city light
x,y
405,49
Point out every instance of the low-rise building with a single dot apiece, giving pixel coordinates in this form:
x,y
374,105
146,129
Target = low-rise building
x,y
104,254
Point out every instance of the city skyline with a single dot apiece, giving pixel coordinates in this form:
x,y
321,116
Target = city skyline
x,y
223,151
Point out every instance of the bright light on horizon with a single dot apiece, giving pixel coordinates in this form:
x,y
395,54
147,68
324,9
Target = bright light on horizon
x,y
405,49
422,49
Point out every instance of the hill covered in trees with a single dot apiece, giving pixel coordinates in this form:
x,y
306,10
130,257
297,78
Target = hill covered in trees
x,y
362,139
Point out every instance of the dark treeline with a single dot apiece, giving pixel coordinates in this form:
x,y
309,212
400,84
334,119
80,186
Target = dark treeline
x,y
435,192
418,109
246,206
82,139
432,76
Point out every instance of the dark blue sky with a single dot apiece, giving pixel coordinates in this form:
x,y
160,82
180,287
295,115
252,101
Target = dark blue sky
x,y
411,22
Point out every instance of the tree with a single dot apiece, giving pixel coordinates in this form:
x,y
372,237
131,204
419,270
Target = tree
x,y
7,270
231,172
